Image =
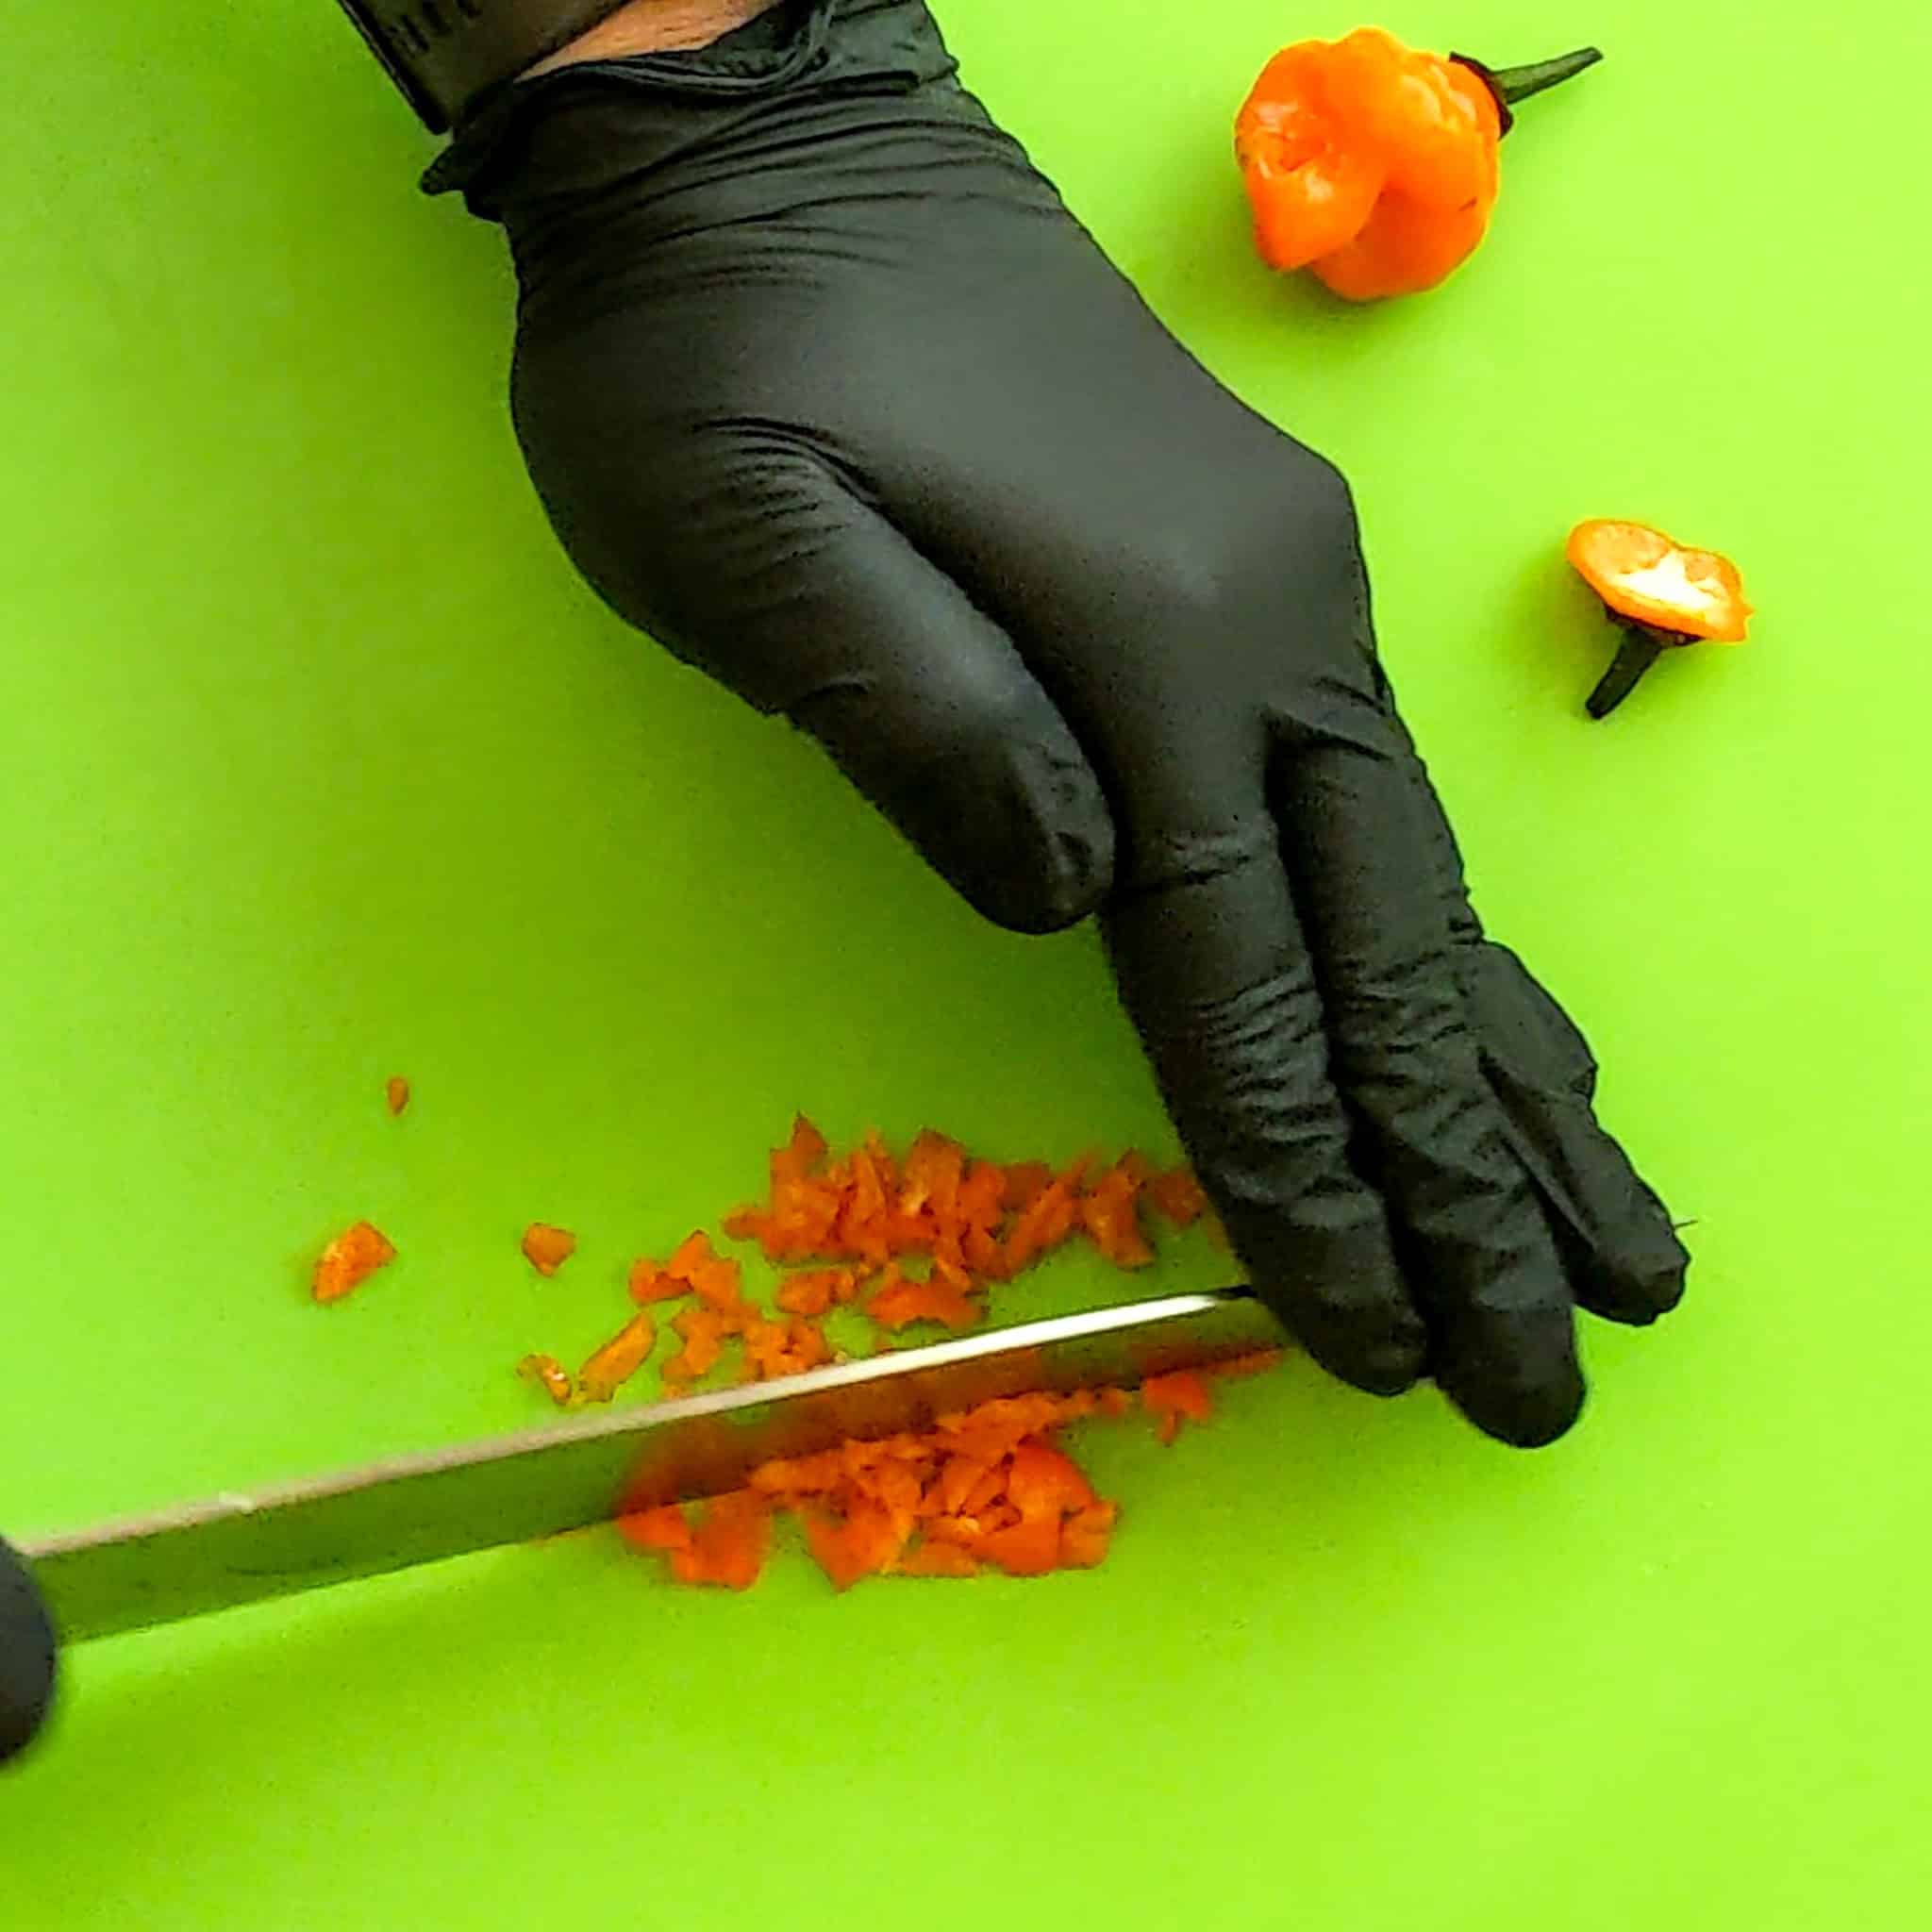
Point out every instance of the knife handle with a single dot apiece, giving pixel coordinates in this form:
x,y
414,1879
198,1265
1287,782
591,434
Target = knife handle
x,y
27,1656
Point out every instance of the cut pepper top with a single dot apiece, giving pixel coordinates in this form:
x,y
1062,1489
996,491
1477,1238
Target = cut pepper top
x,y
1640,574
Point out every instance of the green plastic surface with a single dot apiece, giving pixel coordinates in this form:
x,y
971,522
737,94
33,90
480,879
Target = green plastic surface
x,y
319,765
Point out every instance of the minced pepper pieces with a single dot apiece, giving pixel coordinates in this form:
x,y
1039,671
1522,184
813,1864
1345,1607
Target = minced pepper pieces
x,y
727,1546
1662,593
989,1488
350,1259
1375,165
911,1239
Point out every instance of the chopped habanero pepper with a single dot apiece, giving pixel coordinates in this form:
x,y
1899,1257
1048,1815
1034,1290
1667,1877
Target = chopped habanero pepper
x,y
703,1332
936,1560
862,1542
728,1543
1376,165
898,1301
1110,1212
692,1256
550,1375
350,1259
782,1348
666,1528
1663,595
1084,1536
1045,1482
1030,1547
1176,1196
1259,1362
617,1361
814,1291
547,1248
1172,1396
649,1282
1026,1180
800,1155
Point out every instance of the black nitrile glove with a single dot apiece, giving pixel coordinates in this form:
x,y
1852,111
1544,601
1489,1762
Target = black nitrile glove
x,y
27,1658
825,389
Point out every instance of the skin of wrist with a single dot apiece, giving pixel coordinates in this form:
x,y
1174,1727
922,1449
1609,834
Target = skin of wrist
x,y
653,26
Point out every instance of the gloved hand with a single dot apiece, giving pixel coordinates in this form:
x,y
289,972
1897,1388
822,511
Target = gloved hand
x,y
824,388
27,1658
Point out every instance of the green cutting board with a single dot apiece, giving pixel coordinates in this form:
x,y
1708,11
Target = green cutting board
x,y
319,766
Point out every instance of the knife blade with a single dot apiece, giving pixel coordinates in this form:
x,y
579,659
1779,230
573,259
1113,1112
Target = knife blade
x,y
245,1546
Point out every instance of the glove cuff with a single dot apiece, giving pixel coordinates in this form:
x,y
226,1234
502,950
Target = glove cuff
x,y
441,54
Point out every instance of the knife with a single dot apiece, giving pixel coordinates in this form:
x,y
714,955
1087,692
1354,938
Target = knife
x,y
245,1546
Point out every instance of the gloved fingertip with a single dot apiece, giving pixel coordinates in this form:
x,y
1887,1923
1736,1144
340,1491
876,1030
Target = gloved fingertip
x,y
1523,1418
1636,1279
1526,1390
1373,1341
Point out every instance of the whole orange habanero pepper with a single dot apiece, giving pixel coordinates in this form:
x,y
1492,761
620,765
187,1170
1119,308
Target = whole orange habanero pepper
x,y
1376,166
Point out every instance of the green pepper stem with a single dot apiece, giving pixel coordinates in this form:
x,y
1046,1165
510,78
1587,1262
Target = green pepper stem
x,y
1512,84
1642,645
1517,83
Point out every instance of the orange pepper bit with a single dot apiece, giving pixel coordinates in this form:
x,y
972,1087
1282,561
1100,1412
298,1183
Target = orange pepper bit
x,y
935,1559
725,1547
1048,1489
799,1220
717,1283
547,1248
1260,1362
651,1281
617,1361
1170,1398
929,1179
550,1375
728,1544
1026,1180
898,1301
397,1093
861,1229
666,1528
804,1154
1662,593
1086,1535
703,1333
816,1290
857,1542
1110,1212
1176,1196
791,1477
350,1259
1046,1219
782,1348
